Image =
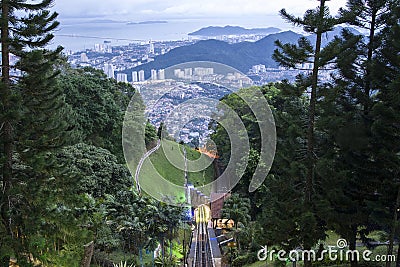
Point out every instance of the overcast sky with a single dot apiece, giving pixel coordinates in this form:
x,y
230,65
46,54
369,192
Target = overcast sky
x,y
138,10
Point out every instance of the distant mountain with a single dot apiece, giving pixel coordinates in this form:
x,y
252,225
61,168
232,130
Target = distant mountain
x,y
232,30
327,37
241,56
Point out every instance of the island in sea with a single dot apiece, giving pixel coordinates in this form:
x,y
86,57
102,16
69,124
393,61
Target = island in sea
x,y
233,30
148,22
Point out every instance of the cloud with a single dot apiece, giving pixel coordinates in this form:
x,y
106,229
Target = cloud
x,y
152,9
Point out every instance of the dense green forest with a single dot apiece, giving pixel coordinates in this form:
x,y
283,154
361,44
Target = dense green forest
x,y
336,166
65,187
64,180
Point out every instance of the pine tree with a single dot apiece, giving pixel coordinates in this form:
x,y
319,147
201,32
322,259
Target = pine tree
x,y
46,125
356,70
22,25
48,121
386,128
317,22
350,162
284,217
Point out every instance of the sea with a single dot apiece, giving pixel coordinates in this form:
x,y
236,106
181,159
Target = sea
x,y
79,34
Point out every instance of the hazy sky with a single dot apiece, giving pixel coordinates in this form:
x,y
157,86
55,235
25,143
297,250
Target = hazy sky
x,y
137,10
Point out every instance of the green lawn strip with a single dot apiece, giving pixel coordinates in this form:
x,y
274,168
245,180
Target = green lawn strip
x,y
175,175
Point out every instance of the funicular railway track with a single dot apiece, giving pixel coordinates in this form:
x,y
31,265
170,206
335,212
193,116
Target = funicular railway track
x,y
203,255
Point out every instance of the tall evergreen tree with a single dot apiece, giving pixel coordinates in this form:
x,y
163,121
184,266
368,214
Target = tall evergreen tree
x,y
317,22
386,127
48,122
356,67
350,166
284,217
45,126
22,24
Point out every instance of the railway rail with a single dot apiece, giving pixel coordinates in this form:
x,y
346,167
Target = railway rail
x,y
203,253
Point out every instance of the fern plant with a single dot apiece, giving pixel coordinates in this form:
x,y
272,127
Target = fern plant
x,y
122,264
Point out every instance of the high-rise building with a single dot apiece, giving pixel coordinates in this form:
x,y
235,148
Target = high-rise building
x,y
122,77
109,70
188,72
153,75
179,73
258,68
98,48
203,71
107,47
134,76
84,58
151,47
141,76
161,74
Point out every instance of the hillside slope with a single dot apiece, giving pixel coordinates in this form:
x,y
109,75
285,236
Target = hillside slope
x,y
241,56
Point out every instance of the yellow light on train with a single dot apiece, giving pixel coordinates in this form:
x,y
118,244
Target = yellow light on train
x,y
202,213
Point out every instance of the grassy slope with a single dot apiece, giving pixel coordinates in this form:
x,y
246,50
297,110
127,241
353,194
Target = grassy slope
x,y
175,175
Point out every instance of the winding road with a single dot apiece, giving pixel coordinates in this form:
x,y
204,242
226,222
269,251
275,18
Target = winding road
x,y
145,156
